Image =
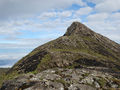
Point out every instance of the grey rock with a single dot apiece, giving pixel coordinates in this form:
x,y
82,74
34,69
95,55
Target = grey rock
x,y
80,87
62,79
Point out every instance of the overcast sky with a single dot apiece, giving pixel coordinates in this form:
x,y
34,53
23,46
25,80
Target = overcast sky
x,y
26,24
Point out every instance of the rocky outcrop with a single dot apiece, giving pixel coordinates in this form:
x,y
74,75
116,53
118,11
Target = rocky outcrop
x,y
63,79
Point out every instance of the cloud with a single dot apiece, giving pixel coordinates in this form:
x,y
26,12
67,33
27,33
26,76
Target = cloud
x,y
20,43
108,6
53,14
97,17
12,27
105,24
9,60
47,15
84,11
12,56
95,1
26,8
115,16
65,14
115,37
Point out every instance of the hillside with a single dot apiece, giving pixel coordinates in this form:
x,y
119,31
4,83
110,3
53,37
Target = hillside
x,y
3,70
79,48
2,73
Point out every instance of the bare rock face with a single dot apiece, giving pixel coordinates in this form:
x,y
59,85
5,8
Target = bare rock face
x,y
78,28
79,48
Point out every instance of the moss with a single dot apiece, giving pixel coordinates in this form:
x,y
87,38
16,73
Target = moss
x,y
34,72
88,38
58,72
102,82
74,65
84,51
44,64
85,75
33,52
61,81
115,69
41,78
10,76
117,81
46,59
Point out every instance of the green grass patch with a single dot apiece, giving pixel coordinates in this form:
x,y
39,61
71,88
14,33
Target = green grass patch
x,y
117,81
85,74
10,76
102,82
61,81
44,64
33,52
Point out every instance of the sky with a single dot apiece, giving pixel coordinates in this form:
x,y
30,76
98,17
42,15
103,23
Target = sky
x,y
27,24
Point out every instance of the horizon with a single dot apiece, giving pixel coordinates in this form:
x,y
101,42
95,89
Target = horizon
x,y
25,26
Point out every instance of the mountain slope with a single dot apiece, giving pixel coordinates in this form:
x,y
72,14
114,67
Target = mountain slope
x,y
78,47
80,59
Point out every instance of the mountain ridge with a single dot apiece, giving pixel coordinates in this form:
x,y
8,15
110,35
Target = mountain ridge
x,y
80,41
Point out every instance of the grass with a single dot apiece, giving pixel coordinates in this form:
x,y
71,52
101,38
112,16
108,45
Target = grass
x,y
73,66
33,53
117,81
10,76
61,81
3,70
102,82
2,74
33,72
85,75
44,62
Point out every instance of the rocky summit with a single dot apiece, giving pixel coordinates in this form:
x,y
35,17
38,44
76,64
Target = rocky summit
x,y
79,60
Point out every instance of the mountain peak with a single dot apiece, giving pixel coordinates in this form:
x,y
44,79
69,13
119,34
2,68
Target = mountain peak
x,y
85,47
77,28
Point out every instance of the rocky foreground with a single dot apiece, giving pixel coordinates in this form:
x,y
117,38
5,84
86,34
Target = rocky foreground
x,y
64,79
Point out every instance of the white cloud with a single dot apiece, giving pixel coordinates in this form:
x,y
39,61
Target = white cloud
x,y
95,1
6,66
20,43
115,37
115,16
25,8
98,17
64,14
84,11
47,15
108,6
12,56
105,24
53,14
